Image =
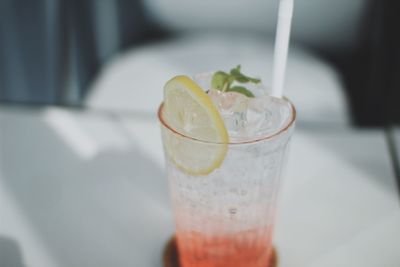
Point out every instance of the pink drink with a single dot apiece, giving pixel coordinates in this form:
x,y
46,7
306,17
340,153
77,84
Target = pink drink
x,y
242,249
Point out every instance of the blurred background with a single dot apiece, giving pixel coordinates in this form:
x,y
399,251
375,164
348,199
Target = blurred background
x,y
81,162
116,54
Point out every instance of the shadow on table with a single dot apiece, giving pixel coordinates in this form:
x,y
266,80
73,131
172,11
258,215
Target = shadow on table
x,y
10,253
107,210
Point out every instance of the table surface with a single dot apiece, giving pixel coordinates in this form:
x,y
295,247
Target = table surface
x,y
87,189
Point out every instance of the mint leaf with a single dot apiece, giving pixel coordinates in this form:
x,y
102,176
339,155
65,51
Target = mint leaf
x,y
241,90
240,77
223,81
219,80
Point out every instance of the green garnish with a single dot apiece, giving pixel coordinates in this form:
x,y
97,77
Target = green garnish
x,y
219,80
223,81
240,77
242,90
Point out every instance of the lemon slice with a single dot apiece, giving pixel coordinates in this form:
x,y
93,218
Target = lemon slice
x,y
201,145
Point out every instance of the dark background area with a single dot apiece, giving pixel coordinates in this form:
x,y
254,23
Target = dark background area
x,y
59,45
372,73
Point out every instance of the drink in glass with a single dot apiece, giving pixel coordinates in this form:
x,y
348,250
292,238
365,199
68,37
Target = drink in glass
x,y
224,191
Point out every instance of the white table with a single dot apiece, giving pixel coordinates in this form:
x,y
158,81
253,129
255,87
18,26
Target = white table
x,y
85,189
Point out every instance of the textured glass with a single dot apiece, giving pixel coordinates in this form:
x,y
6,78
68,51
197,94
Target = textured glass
x,y
226,218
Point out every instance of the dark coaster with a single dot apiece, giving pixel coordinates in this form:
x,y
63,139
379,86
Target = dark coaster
x,y
171,258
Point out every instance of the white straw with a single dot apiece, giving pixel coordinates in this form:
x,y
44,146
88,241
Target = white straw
x,y
281,46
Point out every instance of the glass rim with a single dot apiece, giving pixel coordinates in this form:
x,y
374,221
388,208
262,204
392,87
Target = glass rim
x,y
278,132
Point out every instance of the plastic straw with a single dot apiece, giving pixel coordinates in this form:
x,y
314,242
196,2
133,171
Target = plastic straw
x,y
281,46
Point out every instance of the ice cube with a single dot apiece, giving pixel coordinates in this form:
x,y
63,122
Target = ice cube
x,y
229,102
266,115
232,107
248,118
